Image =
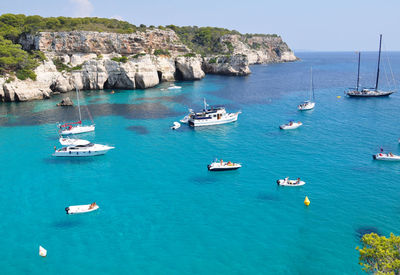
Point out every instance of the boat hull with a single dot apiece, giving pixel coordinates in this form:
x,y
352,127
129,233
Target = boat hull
x,y
81,153
209,122
308,107
386,158
222,169
78,130
80,209
290,127
380,94
290,183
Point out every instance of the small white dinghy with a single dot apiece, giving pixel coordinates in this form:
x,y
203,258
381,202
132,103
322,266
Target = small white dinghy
x,y
78,209
387,157
223,166
42,251
174,87
176,125
291,125
288,182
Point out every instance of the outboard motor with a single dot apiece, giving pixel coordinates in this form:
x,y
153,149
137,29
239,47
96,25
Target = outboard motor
x,y
67,209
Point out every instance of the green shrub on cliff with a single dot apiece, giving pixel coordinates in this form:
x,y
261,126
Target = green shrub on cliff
x,y
161,52
14,59
204,40
122,59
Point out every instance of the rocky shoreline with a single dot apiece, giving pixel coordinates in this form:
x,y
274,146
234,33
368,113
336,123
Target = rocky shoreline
x,y
94,60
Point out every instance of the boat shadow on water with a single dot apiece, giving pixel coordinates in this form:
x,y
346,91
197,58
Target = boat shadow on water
x,y
68,160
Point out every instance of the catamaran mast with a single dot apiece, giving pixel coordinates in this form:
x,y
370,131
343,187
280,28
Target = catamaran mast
x,y
358,74
79,106
379,61
312,85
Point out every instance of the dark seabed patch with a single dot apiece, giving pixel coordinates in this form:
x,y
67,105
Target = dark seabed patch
x,y
141,130
67,223
268,197
362,230
94,100
203,180
144,110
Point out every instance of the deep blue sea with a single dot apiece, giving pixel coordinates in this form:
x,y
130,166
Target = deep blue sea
x,y
162,212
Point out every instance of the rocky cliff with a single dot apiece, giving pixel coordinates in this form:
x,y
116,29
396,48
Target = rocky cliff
x,y
94,60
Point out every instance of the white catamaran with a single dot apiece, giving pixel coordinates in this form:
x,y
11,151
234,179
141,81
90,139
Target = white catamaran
x,y
308,104
72,128
372,92
213,115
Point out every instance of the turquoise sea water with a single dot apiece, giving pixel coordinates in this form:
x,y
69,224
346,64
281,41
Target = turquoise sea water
x,y
162,212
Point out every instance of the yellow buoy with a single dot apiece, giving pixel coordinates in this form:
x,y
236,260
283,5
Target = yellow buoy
x,y
306,201
338,96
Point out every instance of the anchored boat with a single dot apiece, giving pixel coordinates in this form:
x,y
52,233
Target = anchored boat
x,y
213,115
288,182
387,157
308,104
223,166
79,209
291,125
372,92
80,148
72,128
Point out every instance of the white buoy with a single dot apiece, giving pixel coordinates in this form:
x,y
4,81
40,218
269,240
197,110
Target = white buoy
x,y
42,251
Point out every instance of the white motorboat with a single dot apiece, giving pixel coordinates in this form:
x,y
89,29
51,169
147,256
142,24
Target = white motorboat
x,y
373,92
72,128
42,251
308,104
83,148
288,182
291,125
212,116
223,166
79,209
174,87
387,157
176,125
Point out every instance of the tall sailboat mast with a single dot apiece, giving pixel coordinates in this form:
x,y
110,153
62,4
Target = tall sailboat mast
x,y
79,106
379,62
312,85
358,74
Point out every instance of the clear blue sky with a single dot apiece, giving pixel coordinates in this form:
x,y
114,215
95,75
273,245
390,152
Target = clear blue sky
x,y
322,25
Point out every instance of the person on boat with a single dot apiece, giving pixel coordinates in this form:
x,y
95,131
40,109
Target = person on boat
x,y
286,180
222,162
390,154
229,163
298,181
291,123
55,148
92,205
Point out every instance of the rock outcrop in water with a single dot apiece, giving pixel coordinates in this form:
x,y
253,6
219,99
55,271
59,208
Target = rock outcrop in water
x,y
93,60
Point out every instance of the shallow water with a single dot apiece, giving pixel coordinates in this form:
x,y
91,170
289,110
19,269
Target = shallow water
x,y
162,212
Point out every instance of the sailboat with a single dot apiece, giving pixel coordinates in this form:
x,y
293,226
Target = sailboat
x,y
308,104
373,92
71,128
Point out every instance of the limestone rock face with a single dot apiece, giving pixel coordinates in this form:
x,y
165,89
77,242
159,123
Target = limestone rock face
x,y
189,67
66,102
233,65
259,48
90,59
104,43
